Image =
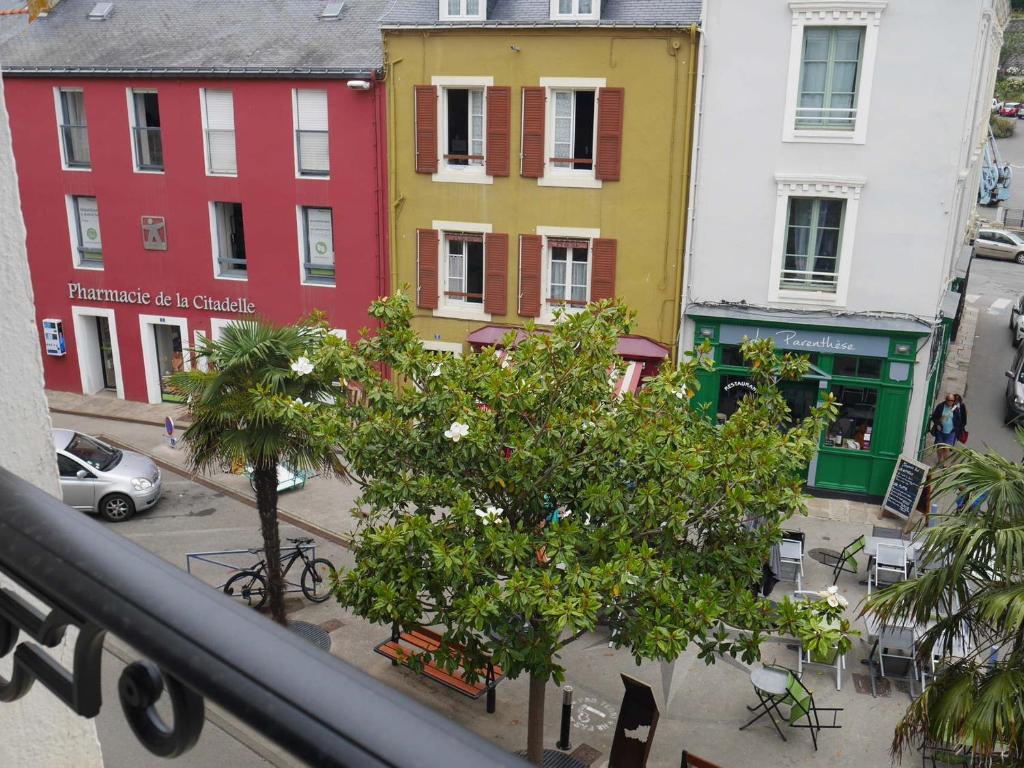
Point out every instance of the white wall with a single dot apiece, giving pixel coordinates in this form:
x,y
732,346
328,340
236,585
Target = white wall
x,y
38,730
932,79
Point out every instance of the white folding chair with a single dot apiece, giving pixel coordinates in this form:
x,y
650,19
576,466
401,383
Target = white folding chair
x,y
897,643
890,565
791,552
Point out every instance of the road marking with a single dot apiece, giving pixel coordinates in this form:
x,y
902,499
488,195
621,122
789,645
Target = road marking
x,y
998,306
972,297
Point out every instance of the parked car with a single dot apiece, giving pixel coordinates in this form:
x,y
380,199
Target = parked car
x,y
98,478
1009,109
999,244
1017,321
1015,390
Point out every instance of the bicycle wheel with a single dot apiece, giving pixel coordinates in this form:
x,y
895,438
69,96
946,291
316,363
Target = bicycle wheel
x,y
249,587
316,580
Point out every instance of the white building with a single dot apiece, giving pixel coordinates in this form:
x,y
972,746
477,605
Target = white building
x,y
836,164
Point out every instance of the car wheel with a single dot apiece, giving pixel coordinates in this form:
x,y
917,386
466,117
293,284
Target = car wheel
x,y
116,508
1019,258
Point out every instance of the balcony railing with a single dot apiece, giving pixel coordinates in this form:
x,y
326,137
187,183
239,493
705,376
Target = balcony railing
x,y
805,279
204,646
828,118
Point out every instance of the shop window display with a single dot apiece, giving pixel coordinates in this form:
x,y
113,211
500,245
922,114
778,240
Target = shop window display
x,y
862,367
856,420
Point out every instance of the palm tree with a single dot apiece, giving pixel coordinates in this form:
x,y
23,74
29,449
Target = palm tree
x,y
977,697
253,405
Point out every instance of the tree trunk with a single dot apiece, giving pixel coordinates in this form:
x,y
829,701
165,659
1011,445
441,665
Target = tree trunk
x,y
535,720
265,480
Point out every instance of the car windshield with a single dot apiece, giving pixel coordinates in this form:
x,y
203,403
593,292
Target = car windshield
x,y
93,453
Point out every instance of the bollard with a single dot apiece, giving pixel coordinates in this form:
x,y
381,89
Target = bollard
x,y
563,739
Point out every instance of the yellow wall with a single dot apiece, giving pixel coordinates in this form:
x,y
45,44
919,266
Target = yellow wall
x,y
645,211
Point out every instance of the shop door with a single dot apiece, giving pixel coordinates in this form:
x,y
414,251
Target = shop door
x,y
106,353
169,357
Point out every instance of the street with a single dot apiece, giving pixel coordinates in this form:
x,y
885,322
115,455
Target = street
x,y
1011,151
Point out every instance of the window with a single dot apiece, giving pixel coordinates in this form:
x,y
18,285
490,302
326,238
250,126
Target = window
x,y
317,245
87,244
74,134
572,135
829,77
464,276
812,243
831,68
311,137
862,367
576,9
856,419
69,467
219,128
568,273
461,10
145,120
229,240
464,128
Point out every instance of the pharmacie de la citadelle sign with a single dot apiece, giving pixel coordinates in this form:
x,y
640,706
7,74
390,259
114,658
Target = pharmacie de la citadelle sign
x,y
161,299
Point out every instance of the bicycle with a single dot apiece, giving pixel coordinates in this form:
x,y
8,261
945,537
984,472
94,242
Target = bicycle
x,y
250,585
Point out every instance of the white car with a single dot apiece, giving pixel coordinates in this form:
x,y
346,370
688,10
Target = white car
x,y
96,477
999,244
1017,321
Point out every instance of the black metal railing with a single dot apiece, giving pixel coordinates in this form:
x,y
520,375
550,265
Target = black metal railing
x,y
199,645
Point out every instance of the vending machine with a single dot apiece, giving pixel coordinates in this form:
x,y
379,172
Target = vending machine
x,y
53,335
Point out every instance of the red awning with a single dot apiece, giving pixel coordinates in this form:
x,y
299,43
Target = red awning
x,y
628,347
628,381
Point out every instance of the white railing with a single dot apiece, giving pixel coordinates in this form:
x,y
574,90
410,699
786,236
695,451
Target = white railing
x,y
832,118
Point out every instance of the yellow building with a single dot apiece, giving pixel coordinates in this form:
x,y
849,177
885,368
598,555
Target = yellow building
x,y
539,159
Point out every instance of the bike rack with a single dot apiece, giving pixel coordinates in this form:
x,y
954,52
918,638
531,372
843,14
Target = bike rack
x,y
207,557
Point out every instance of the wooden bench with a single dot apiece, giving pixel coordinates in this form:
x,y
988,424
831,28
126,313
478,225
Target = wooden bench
x,y
429,641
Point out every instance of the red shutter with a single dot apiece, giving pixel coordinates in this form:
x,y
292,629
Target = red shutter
x,y
496,274
426,128
602,276
532,161
426,268
499,118
610,103
529,275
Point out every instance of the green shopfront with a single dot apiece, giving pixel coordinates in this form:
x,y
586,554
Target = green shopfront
x,y
869,372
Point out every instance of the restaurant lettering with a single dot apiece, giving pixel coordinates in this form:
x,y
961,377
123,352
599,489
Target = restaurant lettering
x,y
161,299
809,340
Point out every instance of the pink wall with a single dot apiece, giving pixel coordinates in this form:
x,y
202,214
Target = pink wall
x,y
266,187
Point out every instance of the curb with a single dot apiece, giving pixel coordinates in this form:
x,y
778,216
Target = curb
x,y
107,417
282,514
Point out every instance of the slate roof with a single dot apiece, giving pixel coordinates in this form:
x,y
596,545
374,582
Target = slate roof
x,y
12,24
537,13
181,37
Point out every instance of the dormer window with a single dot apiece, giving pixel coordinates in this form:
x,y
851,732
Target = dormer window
x,y
575,9
463,10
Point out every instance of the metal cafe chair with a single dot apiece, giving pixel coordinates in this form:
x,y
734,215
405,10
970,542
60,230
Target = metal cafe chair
x,y
842,562
791,553
894,643
778,686
890,566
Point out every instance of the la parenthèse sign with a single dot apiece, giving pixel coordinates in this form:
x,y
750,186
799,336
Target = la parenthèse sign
x,y
161,299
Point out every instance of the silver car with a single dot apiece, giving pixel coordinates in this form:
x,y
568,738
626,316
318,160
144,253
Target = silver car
x,y
999,244
96,477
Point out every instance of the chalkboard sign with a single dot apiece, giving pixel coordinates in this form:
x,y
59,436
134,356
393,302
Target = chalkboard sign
x,y
905,487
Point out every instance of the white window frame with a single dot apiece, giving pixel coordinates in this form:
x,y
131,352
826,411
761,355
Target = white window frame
x,y
834,187
547,310
130,93
59,107
866,14
480,15
467,174
594,15
149,362
295,136
80,317
75,235
453,348
555,176
206,132
218,272
458,310
300,220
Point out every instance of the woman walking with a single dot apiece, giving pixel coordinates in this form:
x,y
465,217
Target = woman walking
x,y
947,423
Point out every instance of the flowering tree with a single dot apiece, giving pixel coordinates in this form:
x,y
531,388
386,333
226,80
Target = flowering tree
x,y
514,503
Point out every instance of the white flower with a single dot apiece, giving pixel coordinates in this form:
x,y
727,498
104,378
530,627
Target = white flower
x,y
300,401
565,513
436,371
337,333
456,431
302,366
832,600
490,515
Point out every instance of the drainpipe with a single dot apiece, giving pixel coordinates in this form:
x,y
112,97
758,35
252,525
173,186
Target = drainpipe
x,y
698,111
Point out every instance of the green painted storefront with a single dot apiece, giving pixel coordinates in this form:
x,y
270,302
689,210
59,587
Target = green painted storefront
x,y
869,372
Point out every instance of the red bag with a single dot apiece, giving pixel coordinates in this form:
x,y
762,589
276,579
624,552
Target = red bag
x,y
962,437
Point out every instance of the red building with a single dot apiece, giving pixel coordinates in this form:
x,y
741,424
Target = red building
x,y
183,164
